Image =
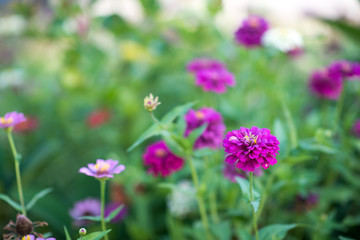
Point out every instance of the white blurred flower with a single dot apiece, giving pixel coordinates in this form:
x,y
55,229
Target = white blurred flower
x,y
12,25
283,39
182,200
78,25
184,9
11,78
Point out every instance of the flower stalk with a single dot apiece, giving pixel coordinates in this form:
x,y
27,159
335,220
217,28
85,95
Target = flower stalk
x,y
102,195
17,170
254,213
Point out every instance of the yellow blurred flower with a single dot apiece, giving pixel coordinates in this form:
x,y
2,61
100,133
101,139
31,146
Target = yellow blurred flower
x,y
134,52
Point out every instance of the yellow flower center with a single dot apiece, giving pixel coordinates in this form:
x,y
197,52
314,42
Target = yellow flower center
x,y
6,121
253,22
27,237
160,153
102,167
252,138
199,115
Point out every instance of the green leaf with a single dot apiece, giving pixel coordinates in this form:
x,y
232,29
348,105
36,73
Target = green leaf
x,y
180,126
275,231
345,238
245,188
154,130
95,235
113,214
92,218
12,203
174,113
222,230
280,133
174,146
291,125
351,31
317,147
67,235
195,134
37,196
255,204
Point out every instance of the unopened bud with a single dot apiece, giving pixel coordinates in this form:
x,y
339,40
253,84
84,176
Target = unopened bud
x,y
150,103
82,231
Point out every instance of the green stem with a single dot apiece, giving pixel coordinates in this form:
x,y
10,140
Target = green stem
x,y
199,198
17,171
254,213
102,193
213,207
339,107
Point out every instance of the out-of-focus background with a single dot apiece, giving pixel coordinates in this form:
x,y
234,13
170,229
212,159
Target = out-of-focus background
x,y
80,70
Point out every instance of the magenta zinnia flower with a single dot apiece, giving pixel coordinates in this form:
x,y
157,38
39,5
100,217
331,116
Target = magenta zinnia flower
x,y
215,80
251,148
326,84
213,133
356,128
87,207
200,64
160,161
103,168
251,31
345,68
11,119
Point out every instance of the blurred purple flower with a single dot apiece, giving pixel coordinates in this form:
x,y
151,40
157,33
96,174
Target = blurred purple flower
x,y
160,161
11,119
32,237
356,128
212,80
306,202
326,84
87,207
113,206
251,31
103,168
200,64
251,148
213,133
345,68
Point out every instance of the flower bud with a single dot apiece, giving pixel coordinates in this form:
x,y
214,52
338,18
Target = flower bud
x,y
150,103
82,231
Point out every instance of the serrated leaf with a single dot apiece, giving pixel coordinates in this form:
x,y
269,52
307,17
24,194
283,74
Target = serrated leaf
x,y
154,130
92,218
113,214
175,112
95,235
11,202
275,231
67,235
38,196
245,188
255,204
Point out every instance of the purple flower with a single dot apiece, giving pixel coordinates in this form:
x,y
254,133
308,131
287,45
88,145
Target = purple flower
x,y
212,80
230,172
356,128
112,207
345,68
87,207
103,168
306,202
213,133
32,237
251,148
200,64
11,119
160,161
326,84
251,31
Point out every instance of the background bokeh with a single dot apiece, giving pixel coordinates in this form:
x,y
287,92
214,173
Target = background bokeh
x,y
61,62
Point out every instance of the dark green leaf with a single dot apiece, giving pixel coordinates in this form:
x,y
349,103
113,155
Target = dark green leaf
x,y
12,203
351,31
37,196
245,188
113,214
95,235
345,238
174,113
195,134
275,231
154,130
92,218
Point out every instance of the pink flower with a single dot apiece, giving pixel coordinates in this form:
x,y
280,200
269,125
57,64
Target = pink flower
x,y
98,118
11,119
345,68
326,84
249,149
29,125
87,207
200,64
160,161
251,31
213,133
103,169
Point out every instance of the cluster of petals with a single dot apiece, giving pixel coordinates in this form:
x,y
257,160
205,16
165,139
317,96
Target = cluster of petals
x,y
326,84
346,69
249,149
251,31
11,119
213,133
211,75
32,237
103,169
160,160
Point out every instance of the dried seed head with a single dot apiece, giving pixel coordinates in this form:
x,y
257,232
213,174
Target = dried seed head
x,y
23,225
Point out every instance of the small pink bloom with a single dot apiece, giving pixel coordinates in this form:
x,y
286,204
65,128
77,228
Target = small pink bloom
x,y
11,119
103,169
